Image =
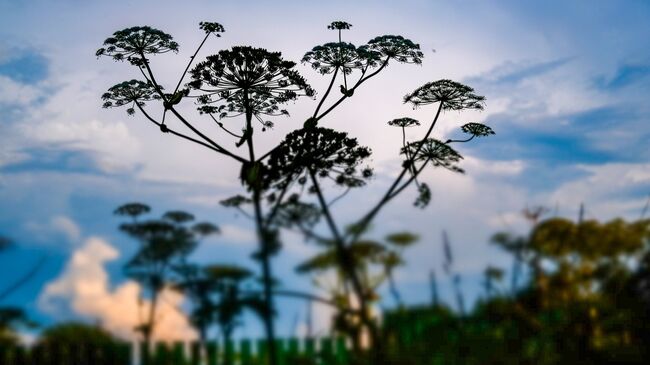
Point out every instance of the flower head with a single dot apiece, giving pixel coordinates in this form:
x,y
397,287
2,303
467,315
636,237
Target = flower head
x,y
403,122
211,27
324,152
477,129
453,96
396,47
345,56
339,25
133,43
134,92
246,77
435,151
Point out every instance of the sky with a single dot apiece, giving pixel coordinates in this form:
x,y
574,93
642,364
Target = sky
x,y
566,83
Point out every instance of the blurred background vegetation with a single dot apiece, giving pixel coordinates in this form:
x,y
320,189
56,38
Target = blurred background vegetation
x,y
578,292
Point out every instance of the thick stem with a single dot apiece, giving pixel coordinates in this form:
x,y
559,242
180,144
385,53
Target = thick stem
x,y
264,243
151,320
347,265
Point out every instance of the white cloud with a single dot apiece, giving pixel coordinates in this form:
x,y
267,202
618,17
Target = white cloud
x,y
14,93
57,226
67,226
604,190
112,145
235,234
84,289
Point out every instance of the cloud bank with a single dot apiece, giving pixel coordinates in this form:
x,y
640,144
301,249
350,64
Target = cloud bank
x,y
83,289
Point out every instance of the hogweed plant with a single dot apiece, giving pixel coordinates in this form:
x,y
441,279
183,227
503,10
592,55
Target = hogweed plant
x,y
164,245
240,90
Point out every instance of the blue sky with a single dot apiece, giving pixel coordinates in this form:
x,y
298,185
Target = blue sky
x,y
566,82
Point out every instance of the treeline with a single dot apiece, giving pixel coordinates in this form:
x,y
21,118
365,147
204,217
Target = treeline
x,y
578,293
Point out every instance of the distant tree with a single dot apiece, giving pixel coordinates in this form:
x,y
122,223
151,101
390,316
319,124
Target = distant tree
x,y
164,243
75,333
77,343
581,283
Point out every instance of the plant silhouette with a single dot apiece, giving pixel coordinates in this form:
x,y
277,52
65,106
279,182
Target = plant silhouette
x,y
163,245
240,88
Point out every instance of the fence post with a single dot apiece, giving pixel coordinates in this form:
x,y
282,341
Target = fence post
x,y
145,354
281,352
178,353
293,349
196,350
161,354
262,350
341,351
212,350
228,352
121,353
310,347
246,352
327,350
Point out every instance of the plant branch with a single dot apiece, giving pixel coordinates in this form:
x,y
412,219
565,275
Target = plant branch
x,y
329,88
24,279
169,130
361,80
190,63
387,196
180,117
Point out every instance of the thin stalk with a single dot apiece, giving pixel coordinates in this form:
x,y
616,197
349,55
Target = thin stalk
x,y
276,207
409,181
393,288
406,152
459,140
361,80
169,130
190,63
387,196
329,88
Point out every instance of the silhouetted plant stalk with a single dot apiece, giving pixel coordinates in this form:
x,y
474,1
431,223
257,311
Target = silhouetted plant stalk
x,y
253,83
164,245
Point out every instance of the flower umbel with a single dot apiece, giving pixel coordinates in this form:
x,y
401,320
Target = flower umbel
x,y
134,92
477,129
403,122
255,76
453,96
133,43
435,151
324,152
211,27
396,47
345,56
